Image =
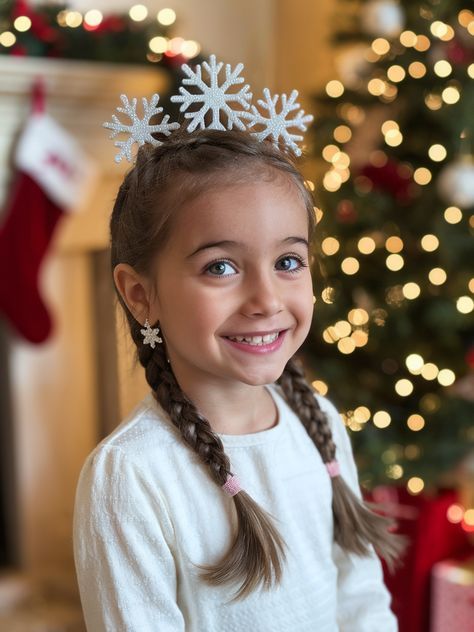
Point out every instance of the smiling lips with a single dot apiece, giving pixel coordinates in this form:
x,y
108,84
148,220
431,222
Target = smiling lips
x,y
259,343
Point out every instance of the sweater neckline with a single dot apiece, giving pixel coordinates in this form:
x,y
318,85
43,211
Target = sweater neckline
x,y
263,436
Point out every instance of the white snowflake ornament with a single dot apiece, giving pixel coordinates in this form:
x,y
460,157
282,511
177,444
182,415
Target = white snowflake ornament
x,y
151,336
276,125
215,98
140,130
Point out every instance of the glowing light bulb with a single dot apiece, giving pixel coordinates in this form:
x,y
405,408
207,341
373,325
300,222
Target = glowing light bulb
x,y
381,419
166,17
415,485
415,422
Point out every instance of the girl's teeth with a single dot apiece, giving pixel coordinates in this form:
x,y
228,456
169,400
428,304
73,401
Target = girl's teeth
x,y
255,340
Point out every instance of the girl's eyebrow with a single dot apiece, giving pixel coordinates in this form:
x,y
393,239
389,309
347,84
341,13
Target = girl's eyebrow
x,y
229,243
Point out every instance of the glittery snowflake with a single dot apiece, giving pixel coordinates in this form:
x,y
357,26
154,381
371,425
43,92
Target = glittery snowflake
x,y
277,124
140,130
214,97
151,336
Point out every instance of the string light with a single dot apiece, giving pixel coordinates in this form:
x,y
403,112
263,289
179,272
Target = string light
x,y
382,419
22,23
334,88
422,176
366,245
415,485
158,44
394,244
443,68
417,70
450,95
138,12
342,133
404,387
350,265
380,46
396,73
330,246
465,304
320,386
437,276
408,39
7,39
446,377
414,363
166,17
394,262
73,19
411,290
415,422
453,215
429,371
437,152
429,242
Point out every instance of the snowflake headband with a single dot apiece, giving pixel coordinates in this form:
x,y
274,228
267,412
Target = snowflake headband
x,y
215,99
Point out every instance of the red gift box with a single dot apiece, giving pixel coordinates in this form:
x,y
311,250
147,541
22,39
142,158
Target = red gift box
x,y
452,596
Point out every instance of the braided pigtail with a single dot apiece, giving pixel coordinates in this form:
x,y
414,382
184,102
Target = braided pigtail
x,y
255,557
356,526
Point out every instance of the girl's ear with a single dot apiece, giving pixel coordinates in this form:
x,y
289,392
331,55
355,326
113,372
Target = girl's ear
x,y
134,290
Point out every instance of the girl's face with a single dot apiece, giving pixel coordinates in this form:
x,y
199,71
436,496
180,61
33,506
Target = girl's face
x,y
233,287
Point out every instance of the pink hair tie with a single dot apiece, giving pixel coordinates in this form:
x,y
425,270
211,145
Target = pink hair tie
x,y
333,468
232,486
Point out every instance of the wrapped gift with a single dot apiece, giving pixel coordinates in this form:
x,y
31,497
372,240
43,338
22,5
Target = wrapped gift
x,y
452,596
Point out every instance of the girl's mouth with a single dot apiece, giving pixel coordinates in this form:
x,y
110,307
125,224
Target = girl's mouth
x,y
255,340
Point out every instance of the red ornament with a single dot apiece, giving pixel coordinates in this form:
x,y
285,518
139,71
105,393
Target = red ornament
x,y
346,212
459,54
470,358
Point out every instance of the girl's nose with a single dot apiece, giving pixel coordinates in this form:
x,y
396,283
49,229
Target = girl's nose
x,y
263,297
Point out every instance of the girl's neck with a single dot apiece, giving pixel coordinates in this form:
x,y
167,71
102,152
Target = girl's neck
x,y
235,410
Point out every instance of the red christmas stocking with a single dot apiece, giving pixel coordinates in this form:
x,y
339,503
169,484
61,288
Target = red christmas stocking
x,y
24,238
53,173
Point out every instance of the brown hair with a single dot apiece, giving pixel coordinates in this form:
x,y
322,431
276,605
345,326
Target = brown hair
x,y
162,179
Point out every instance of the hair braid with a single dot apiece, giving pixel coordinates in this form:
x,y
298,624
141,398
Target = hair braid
x,y
356,526
258,550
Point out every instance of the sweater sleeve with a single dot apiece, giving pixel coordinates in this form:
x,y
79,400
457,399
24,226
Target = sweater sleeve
x,y
123,549
363,599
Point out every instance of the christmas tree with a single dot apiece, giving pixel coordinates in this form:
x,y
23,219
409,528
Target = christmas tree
x,y
393,333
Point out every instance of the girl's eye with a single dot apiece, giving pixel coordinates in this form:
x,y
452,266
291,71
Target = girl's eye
x,y
290,264
220,268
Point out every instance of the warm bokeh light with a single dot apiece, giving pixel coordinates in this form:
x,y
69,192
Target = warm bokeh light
x,y
366,245
465,304
422,176
437,152
429,242
437,276
415,485
7,39
328,295
443,68
138,12
446,377
350,265
450,95
453,215
411,290
346,345
158,44
394,138
415,422
361,414
166,17
394,244
320,386
330,246
380,46
334,88
433,101
404,387
73,19
190,49
329,152
396,73
414,363
93,17
394,262
455,513
408,38
22,23
358,317
360,337
381,419
376,87
417,70
429,371
422,43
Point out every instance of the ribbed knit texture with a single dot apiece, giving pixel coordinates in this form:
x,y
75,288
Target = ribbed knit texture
x,y
146,510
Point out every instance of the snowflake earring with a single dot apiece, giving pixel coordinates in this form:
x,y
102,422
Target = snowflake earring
x,y
151,336
214,96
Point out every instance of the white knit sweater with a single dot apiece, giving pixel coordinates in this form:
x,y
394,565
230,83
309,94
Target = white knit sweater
x,y
147,511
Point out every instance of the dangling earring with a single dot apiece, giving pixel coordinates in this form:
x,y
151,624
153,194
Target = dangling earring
x,y
150,335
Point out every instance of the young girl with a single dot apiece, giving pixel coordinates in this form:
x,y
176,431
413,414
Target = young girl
x,y
229,499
